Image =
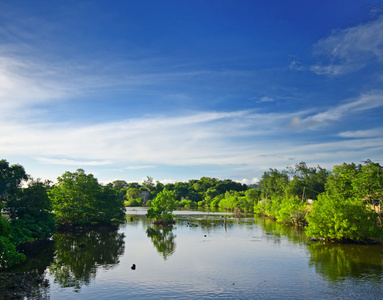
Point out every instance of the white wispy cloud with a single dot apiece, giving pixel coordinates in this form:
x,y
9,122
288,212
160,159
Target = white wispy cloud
x,y
71,162
138,167
376,132
199,138
350,49
367,101
266,99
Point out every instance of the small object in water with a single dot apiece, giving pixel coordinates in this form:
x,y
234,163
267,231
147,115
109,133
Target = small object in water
x,y
131,219
205,235
133,267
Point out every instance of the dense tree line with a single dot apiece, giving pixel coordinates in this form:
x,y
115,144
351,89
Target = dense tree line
x,y
338,205
342,204
187,194
346,203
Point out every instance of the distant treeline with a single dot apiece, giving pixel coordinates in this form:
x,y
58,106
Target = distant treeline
x,y
187,194
344,204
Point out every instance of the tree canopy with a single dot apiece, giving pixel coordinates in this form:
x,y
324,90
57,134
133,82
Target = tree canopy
x,y
78,199
11,177
162,207
345,210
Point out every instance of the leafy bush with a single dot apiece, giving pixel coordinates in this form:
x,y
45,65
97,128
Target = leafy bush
x,y
78,199
133,202
162,207
291,210
31,214
186,203
8,253
335,218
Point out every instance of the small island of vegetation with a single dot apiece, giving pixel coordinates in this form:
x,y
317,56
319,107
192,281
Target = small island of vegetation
x,y
161,208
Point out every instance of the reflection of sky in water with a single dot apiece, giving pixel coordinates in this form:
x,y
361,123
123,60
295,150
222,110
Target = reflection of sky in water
x,y
243,261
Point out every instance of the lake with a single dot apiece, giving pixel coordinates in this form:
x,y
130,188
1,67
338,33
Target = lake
x,y
206,255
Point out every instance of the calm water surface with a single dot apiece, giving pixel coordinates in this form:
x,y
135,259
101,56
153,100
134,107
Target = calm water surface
x,y
204,257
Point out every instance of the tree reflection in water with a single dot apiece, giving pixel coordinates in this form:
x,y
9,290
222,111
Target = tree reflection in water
x,y
27,280
80,254
341,261
273,231
163,239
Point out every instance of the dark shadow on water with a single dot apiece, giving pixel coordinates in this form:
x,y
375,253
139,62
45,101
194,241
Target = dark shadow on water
x,y
27,280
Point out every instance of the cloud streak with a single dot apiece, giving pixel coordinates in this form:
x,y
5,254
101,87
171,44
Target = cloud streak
x,y
376,132
71,162
367,101
350,49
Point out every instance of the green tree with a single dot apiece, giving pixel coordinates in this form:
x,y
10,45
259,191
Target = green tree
x,y
340,180
31,213
273,183
162,207
335,218
78,199
119,184
181,190
368,183
307,182
8,253
342,212
291,210
10,179
132,193
148,184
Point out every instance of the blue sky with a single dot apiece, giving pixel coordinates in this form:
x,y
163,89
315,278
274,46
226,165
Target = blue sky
x,y
177,90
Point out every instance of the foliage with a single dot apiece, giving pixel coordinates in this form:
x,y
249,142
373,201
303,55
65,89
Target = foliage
x,y
273,183
291,210
78,199
119,184
31,213
340,180
162,207
194,190
133,202
148,184
343,212
10,179
269,207
284,198
368,184
185,203
335,218
307,182
8,254
132,193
